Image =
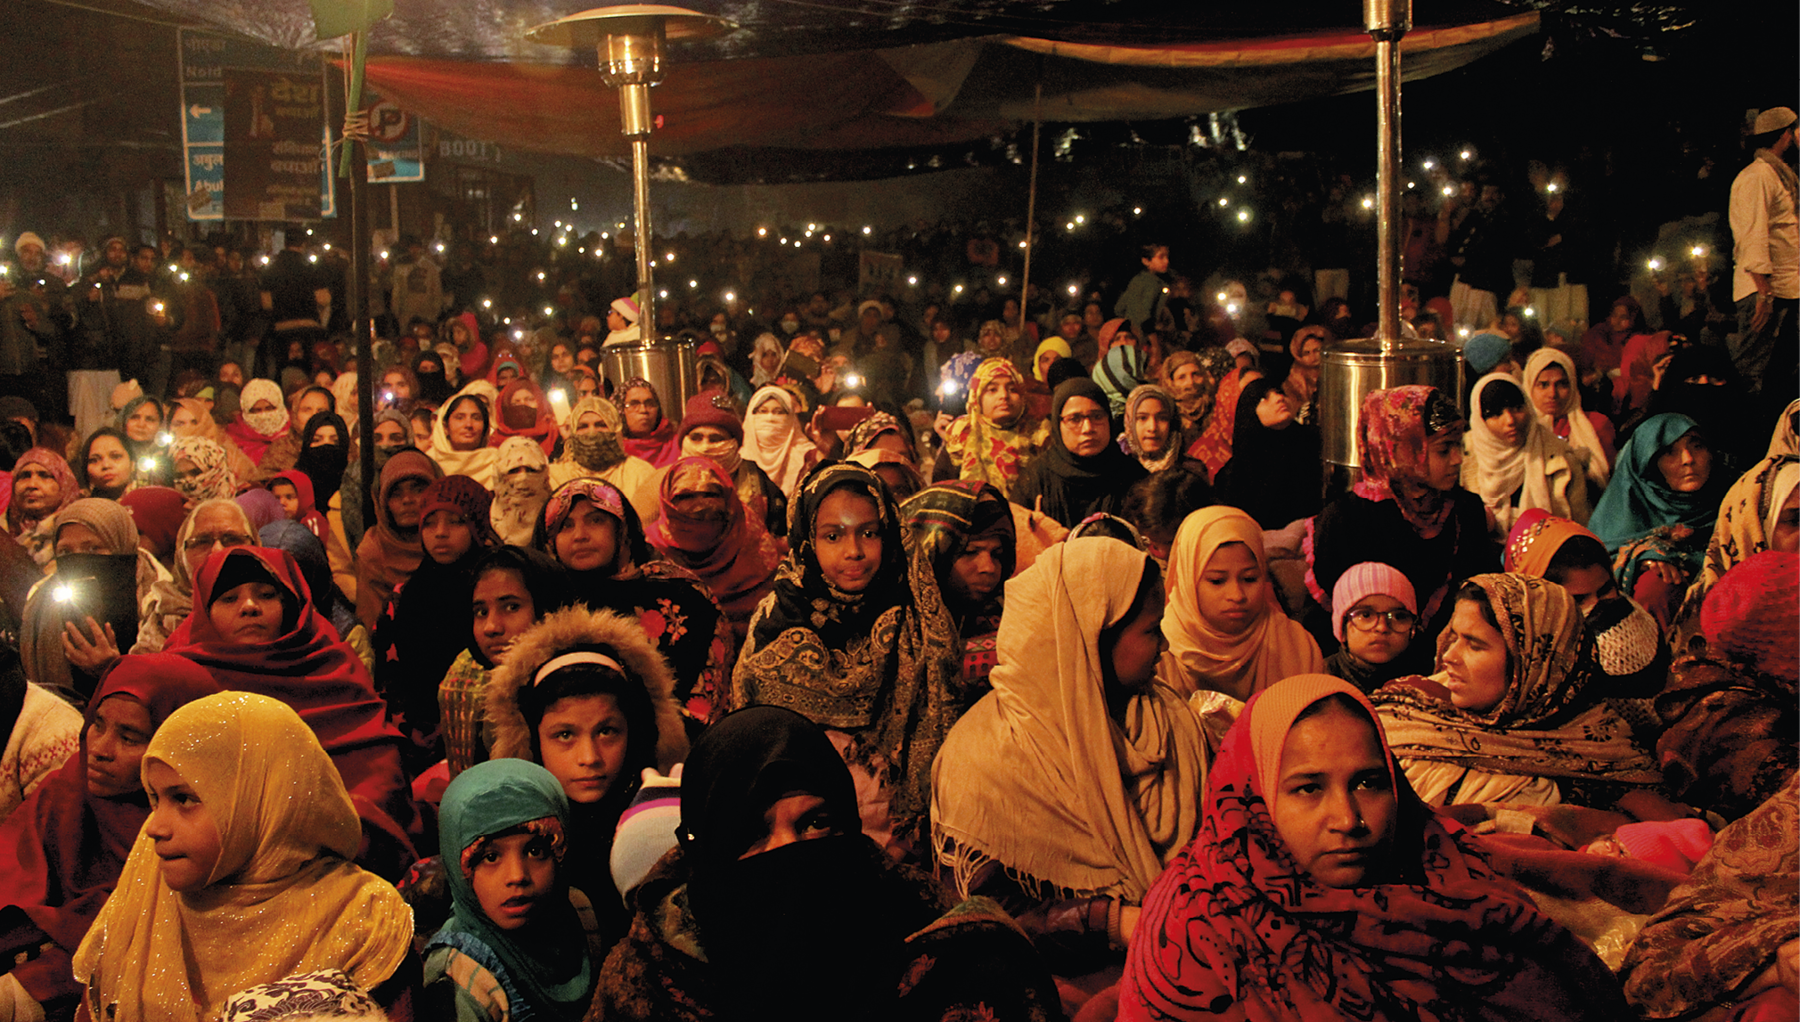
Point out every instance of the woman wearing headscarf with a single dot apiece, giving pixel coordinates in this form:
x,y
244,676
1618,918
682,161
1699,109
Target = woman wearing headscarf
x,y
1226,630
997,437
324,455
1757,514
70,837
389,552
158,512
434,387
1120,370
143,421
280,896
524,411
284,451
459,434
774,440
262,420
1302,383
593,449
1151,431
702,527
189,417
1729,709
42,485
411,655
856,638
1512,714
766,355
521,488
104,466
1723,944
593,532
392,433
1081,470
1657,515
648,433
1048,351
534,953
1605,341
213,523
295,655
202,469
1214,446
1408,508
59,655
1513,464
1192,379
710,428
743,915
1065,790
1276,472
1319,886
966,531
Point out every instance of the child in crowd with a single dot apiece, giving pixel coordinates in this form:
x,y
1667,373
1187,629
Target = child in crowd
x,y
1373,615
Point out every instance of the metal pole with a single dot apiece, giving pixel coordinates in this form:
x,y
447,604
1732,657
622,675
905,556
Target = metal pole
x,y
1037,122
1387,21
634,121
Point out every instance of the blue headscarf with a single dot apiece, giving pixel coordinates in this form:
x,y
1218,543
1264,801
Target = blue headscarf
x,y
545,968
1637,501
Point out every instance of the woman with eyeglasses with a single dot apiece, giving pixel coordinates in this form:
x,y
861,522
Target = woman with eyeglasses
x,y
214,524
1081,470
1374,613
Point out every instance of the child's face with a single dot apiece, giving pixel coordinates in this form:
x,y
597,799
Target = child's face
x,y
582,741
182,829
1383,640
290,499
513,877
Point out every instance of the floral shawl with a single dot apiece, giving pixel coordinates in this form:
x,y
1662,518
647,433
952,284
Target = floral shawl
x,y
1214,445
994,452
1396,425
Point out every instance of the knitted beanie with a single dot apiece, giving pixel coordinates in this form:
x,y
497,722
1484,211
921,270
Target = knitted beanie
x,y
711,408
1672,844
627,308
646,829
1370,578
1749,615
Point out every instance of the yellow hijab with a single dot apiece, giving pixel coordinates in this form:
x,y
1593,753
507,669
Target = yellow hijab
x,y
283,898
1273,647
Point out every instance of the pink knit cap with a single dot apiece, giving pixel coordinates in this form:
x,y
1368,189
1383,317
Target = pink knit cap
x,y
1370,578
1749,614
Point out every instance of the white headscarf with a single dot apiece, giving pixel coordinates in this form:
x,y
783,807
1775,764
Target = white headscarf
x,y
775,442
1500,470
1582,438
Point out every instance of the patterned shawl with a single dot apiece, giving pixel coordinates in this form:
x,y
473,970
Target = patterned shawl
x,y
994,452
1233,930
1744,526
1178,441
1548,724
1395,428
1214,445
215,478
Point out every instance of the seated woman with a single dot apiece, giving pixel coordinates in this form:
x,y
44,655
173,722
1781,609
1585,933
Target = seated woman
x,y
514,589
411,655
592,450
522,410
190,418
255,629
965,530
390,552
104,466
1630,652
520,942
1319,886
1081,470
262,421
711,429
585,694
1657,514
774,440
857,639
702,527
1513,465
1150,434
648,434
42,485
997,437
1276,473
1302,383
1226,631
1192,379
1373,615
213,524
1408,508
70,837
1760,512
1729,712
769,878
521,489
284,451
1064,791
1213,449
1512,714
459,434
226,887
591,530
61,655
202,470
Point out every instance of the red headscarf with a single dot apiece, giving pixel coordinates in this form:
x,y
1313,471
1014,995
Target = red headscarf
x,y
1396,426
303,489
16,522
542,427
660,447
68,845
1234,929
311,670
158,512
474,362
1214,445
736,558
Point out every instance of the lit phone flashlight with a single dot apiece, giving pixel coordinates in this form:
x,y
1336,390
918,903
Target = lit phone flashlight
x,y
852,380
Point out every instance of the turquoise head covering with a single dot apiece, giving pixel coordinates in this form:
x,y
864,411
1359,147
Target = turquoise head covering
x,y
544,968
1118,374
1637,501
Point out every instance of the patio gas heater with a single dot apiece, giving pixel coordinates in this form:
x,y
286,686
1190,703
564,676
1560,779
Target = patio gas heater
x,y
631,40
1351,369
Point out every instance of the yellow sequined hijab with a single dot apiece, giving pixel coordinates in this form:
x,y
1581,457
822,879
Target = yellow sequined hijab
x,y
283,898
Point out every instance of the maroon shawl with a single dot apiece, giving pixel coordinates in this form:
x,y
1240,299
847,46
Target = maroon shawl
x,y
735,558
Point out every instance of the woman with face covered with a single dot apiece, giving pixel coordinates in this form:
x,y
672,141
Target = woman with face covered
x,y
965,529
202,470
703,528
521,488
593,449
774,439
1319,886
1513,464
524,411
773,891
190,417
70,838
711,429
1081,470
262,420
1408,509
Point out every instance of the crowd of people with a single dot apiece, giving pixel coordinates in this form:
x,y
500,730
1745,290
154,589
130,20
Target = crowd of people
x,y
876,672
